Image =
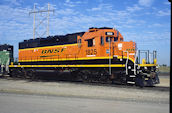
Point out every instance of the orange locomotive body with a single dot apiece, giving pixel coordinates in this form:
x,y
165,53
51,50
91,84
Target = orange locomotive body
x,y
98,54
94,44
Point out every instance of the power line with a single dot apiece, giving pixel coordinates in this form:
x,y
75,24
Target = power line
x,y
34,18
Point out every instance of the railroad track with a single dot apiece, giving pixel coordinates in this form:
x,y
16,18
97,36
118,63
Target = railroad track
x,y
132,86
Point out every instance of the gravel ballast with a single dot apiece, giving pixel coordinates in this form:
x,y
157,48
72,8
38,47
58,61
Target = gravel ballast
x,y
83,91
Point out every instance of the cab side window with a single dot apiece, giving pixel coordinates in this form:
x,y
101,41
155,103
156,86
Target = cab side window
x,y
91,42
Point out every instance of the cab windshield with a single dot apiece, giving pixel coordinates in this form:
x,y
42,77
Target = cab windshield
x,y
111,39
107,39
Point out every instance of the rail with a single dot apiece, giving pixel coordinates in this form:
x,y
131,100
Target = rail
x,y
136,55
48,58
149,56
126,63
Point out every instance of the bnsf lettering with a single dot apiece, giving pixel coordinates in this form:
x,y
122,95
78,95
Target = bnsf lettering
x,y
44,51
50,51
56,50
62,49
53,50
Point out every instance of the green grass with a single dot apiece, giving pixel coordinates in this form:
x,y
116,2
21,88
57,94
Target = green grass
x,y
164,68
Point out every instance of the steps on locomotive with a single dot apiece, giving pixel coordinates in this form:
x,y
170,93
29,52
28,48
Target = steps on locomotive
x,y
131,79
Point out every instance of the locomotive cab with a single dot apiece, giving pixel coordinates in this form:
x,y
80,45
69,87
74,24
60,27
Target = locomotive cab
x,y
105,43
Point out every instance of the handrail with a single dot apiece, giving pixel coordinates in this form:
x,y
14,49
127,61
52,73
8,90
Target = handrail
x,y
110,70
135,62
149,56
126,64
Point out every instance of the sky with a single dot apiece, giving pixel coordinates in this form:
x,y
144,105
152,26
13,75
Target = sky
x,y
146,22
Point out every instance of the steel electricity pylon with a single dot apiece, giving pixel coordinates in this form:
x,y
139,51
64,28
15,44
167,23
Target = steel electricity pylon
x,y
40,22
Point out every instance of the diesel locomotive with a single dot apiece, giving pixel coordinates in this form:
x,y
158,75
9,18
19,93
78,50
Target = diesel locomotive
x,y
100,54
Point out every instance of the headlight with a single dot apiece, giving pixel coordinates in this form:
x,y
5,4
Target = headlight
x,y
129,67
145,68
109,33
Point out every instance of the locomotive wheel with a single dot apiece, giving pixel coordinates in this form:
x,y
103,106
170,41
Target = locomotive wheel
x,y
84,76
25,74
16,73
103,76
140,80
119,78
30,74
13,73
19,73
74,76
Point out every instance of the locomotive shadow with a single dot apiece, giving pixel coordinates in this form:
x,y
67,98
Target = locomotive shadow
x,y
53,77
67,77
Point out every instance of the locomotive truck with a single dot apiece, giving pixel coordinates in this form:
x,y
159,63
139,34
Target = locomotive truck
x,y
100,54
